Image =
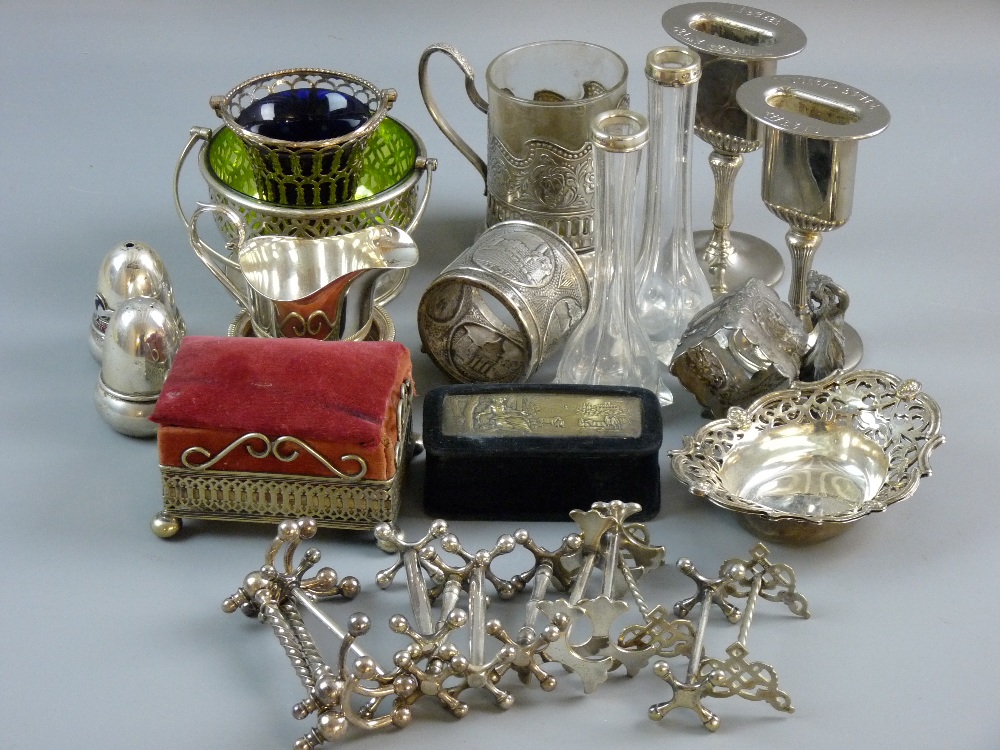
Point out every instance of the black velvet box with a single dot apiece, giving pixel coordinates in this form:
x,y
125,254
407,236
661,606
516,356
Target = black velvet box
x,y
536,452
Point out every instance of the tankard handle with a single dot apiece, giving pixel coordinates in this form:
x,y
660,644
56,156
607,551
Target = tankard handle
x,y
434,110
215,261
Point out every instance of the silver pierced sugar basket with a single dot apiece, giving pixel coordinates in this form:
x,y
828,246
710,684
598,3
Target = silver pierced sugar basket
x,y
305,131
393,161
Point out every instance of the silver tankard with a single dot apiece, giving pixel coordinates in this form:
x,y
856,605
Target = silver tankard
x,y
541,100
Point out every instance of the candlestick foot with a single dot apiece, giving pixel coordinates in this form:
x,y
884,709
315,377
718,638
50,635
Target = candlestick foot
x,y
750,257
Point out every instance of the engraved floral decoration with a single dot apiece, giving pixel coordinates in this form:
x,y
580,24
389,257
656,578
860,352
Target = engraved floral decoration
x,y
894,413
548,178
555,186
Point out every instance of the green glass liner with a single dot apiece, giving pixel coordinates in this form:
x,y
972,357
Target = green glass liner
x,y
389,156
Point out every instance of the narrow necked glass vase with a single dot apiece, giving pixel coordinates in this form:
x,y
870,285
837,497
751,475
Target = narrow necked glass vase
x,y
609,347
672,287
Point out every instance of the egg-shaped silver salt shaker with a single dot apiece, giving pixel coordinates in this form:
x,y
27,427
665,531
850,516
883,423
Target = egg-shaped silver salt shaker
x,y
140,342
130,269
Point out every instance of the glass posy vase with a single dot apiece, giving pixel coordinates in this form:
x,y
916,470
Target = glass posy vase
x,y
609,347
672,287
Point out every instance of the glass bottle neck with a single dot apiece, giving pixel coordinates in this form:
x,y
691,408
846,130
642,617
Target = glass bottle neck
x,y
616,177
668,191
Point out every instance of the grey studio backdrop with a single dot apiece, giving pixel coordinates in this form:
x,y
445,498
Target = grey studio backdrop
x,y
111,637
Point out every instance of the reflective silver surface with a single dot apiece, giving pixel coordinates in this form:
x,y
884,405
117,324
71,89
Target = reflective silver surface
x,y
801,464
745,344
295,287
396,205
130,269
139,347
542,98
503,305
812,129
736,43
100,98
312,173
810,470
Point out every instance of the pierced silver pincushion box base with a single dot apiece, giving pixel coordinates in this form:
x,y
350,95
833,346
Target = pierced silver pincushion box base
x,y
337,502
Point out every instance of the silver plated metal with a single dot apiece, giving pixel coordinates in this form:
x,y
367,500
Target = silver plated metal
x,y
748,343
130,269
688,692
531,277
305,173
382,328
801,464
397,205
353,691
812,127
777,580
734,675
736,43
392,540
540,100
274,594
307,288
140,342
622,548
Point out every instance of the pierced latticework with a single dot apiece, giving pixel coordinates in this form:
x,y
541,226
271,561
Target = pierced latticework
x,y
894,414
306,173
394,160
238,496
336,502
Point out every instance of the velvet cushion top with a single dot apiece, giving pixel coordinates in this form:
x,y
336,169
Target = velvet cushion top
x,y
334,391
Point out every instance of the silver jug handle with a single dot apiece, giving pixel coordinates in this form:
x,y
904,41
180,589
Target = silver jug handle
x,y
435,112
214,260
197,134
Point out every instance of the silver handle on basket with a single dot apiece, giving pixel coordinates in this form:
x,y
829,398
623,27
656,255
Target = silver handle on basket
x,y
428,165
214,260
197,134
394,282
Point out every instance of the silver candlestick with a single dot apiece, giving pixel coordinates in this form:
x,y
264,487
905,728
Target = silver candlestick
x,y
811,134
736,44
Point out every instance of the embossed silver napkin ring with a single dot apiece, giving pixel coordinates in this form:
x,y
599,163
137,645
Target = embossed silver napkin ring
x,y
532,275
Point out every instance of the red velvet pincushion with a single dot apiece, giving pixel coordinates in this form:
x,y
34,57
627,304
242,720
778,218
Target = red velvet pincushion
x,y
339,397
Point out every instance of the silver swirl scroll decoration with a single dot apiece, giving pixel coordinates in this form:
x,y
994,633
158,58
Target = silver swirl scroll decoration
x,y
272,448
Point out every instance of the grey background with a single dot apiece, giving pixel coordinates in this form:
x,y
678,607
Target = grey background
x,y
111,637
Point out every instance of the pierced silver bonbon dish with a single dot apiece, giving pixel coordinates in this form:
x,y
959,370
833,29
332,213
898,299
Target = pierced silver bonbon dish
x,y
800,465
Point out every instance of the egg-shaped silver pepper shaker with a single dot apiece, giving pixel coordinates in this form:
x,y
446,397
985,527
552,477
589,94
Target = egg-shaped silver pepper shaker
x,y
130,269
140,342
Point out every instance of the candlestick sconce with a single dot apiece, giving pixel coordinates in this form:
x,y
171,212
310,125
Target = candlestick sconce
x,y
736,44
811,131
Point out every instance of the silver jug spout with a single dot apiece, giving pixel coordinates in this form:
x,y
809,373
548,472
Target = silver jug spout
x,y
321,288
